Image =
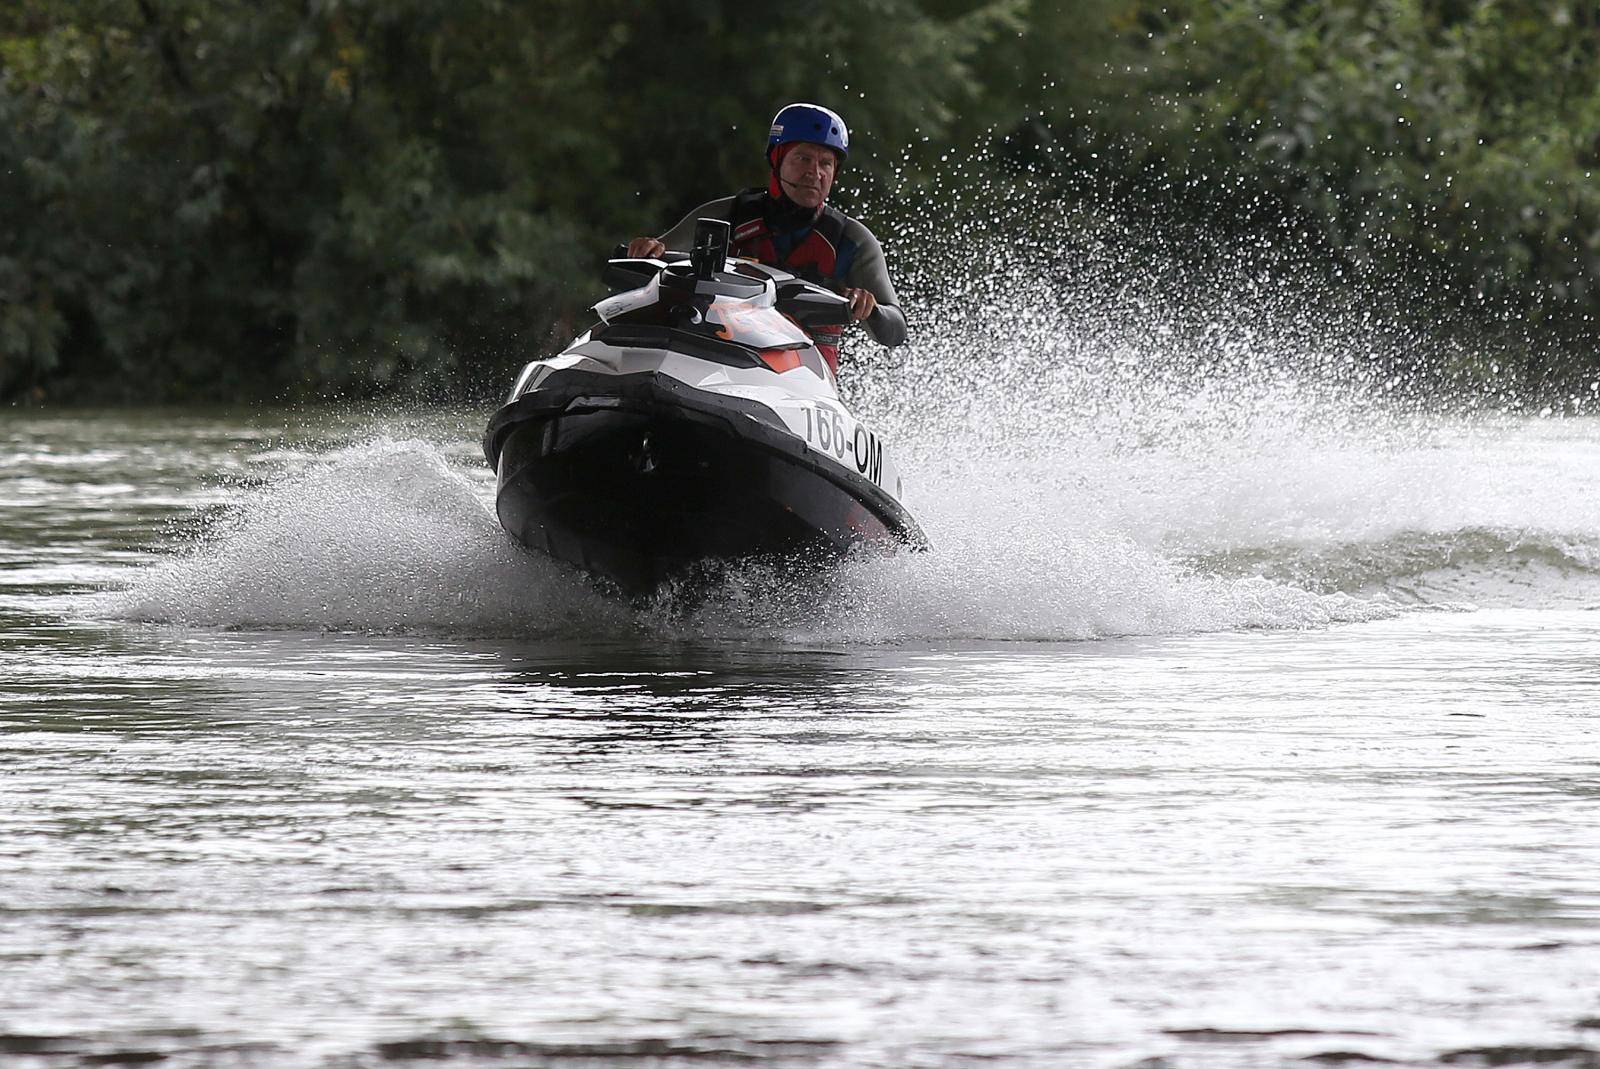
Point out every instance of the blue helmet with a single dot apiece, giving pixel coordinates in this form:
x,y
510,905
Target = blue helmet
x,y
809,122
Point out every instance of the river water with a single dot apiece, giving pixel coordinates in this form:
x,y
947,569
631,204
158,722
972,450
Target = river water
x,y
1217,741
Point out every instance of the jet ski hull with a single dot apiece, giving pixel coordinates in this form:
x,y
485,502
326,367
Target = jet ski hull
x,y
637,478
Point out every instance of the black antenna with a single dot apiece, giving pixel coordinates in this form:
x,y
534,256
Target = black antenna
x,y
710,246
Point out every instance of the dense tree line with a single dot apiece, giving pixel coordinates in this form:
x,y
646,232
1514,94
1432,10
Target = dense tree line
x,y
219,199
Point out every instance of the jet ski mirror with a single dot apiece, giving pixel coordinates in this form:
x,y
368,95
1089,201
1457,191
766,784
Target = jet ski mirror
x,y
626,273
812,306
710,247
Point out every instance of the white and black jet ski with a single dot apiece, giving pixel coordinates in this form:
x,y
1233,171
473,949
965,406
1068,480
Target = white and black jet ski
x,y
697,421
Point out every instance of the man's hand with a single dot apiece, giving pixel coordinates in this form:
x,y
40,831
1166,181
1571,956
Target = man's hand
x,y
862,303
640,248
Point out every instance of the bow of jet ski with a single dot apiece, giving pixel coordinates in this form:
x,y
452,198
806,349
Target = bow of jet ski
x,y
697,421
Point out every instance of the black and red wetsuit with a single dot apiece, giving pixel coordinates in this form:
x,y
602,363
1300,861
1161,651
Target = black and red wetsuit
x,y
823,246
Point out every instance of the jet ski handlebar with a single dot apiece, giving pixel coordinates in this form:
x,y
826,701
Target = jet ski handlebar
x,y
809,304
812,305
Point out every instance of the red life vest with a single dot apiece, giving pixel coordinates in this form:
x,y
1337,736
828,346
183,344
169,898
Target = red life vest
x,y
814,258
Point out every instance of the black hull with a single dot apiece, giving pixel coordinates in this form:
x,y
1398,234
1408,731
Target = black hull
x,y
639,478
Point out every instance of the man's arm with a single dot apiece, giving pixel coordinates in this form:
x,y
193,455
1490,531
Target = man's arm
x,y
868,272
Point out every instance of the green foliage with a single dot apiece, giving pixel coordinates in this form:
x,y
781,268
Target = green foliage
x,y
1461,133
217,199
210,199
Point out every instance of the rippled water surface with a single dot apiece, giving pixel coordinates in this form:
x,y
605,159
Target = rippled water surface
x,y
1235,745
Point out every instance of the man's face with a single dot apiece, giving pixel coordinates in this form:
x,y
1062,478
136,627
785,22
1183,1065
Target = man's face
x,y
806,173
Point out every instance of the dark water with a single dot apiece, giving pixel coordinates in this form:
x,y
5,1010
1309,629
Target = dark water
x,y
1237,750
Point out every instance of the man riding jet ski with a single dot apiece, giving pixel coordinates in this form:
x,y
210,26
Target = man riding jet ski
x,y
700,419
790,225
697,421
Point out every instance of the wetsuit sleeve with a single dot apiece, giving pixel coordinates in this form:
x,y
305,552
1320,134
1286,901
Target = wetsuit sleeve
x,y
681,237
868,272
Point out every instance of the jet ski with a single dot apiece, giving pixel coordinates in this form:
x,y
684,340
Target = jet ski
x,y
695,422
